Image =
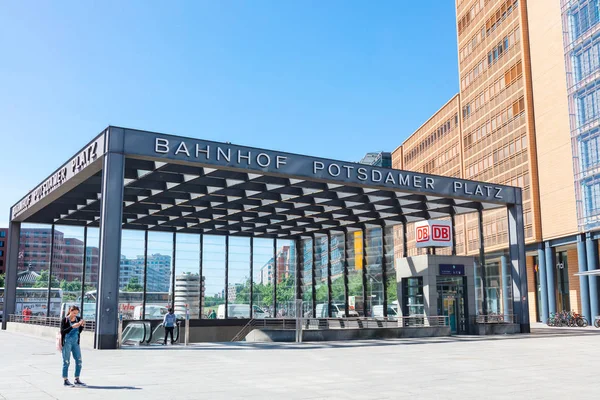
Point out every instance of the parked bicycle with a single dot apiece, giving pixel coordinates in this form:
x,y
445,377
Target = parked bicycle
x,y
567,318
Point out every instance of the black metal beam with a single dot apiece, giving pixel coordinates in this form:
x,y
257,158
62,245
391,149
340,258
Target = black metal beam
x,y
314,278
274,275
201,301
404,241
384,277
251,276
174,270
346,289
453,221
364,269
226,276
329,289
145,274
482,260
49,292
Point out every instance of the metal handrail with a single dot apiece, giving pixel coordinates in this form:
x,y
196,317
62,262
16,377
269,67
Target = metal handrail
x,y
493,318
45,321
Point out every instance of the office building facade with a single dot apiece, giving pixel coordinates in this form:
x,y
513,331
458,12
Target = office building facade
x,y
516,122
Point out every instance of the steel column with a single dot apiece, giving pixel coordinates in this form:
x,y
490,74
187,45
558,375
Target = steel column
x,y
201,301
365,291
314,277
482,261
50,271
516,245
543,284
453,222
584,288
111,218
83,267
251,300
226,276
12,270
173,271
505,286
346,289
592,264
298,267
384,264
329,289
549,253
404,241
144,297
274,275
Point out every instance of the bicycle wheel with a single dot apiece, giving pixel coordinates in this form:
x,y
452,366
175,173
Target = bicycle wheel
x,y
597,323
582,322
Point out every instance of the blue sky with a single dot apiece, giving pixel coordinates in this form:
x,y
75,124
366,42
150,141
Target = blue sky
x,y
334,79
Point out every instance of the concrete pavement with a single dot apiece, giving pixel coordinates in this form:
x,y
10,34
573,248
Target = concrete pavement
x,y
550,364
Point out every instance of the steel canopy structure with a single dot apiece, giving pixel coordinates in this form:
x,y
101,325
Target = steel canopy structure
x,y
131,179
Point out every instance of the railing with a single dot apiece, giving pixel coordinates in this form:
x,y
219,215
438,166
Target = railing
x,y
419,321
45,321
494,319
143,333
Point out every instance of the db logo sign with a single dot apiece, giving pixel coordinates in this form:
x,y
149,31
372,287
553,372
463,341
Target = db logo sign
x,y
433,234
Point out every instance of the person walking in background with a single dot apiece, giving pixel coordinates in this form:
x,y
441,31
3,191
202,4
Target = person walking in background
x,y
169,323
27,314
70,329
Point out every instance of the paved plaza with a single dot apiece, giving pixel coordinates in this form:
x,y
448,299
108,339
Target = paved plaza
x,y
549,364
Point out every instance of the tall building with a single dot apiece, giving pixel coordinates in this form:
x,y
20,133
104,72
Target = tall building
x,y
582,54
158,269
3,247
378,159
512,122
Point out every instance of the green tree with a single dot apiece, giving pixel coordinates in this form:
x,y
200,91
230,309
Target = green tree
x,y
1,280
133,285
42,280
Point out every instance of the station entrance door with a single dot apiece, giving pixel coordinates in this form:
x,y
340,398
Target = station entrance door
x,y
452,302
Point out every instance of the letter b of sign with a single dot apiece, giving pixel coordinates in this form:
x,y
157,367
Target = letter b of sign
x,y
441,233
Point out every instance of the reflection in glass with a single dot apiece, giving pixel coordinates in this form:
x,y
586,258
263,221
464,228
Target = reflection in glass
x,y
213,269
354,252
188,285
321,288
338,297
92,258
67,268
392,289
307,277
374,257
131,274
286,278
262,265
238,292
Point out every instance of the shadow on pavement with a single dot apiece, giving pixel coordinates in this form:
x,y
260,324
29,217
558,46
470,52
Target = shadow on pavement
x,y
536,333
113,387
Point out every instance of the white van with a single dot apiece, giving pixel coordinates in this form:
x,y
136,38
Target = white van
x,y
337,311
392,311
240,311
152,312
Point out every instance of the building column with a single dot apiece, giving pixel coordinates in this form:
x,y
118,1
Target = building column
x,y
592,264
111,217
346,267
505,286
549,255
543,284
584,289
12,270
329,288
482,262
516,246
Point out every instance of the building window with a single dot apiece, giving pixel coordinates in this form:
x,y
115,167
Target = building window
x,y
412,296
1,243
2,234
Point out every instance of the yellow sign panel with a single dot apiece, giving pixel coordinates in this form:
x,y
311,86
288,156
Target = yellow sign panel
x,y
358,250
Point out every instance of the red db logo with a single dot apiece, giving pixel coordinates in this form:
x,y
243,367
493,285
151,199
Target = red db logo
x,y
422,233
441,233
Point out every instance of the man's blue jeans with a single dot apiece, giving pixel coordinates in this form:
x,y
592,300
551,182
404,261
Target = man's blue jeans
x,y
71,346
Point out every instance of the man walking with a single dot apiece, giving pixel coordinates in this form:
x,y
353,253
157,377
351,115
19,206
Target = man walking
x,y
169,323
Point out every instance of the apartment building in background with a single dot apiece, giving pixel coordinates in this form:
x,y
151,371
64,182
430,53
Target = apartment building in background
x,y
512,122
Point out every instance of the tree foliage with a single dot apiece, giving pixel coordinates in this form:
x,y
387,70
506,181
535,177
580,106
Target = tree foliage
x,y
133,285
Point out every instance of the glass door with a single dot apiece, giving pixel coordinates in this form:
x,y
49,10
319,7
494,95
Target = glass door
x,y
451,302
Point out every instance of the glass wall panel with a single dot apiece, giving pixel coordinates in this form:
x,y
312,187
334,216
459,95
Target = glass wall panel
x,y
494,287
92,258
286,278
188,285
213,271
321,258
262,265
307,275
238,292
338,297
392,287
159,292
354,252
68,263
374,258
33,270
131,274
